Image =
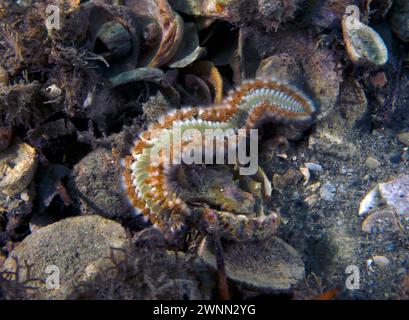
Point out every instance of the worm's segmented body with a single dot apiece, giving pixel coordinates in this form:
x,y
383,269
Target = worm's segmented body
x,y
146,181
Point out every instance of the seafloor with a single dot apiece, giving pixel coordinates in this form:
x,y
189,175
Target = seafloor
x,y
81,80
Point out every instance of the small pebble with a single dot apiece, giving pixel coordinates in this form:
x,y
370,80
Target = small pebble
x,y
372,163
327,191
25,196
379,80
281,181
314,167
53,91
282,156
369,264
403,137
306,174
381,261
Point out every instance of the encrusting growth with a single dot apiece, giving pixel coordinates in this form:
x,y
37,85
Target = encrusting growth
x,y
147,180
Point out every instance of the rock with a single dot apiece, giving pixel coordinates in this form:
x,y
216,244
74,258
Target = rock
x,y
282,181
352,103
69,245
403,137
369,202
306,174
266,266
379,80
314,167
281,66
372,163
327,191
95,184
149,237
381,221
394,193
380,261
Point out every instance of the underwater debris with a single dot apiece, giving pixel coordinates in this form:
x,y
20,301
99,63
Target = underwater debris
x,y
20,104
364,45
143,273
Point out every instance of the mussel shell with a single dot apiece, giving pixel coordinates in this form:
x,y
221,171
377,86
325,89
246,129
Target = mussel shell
x,y
111,31
162,29
115,39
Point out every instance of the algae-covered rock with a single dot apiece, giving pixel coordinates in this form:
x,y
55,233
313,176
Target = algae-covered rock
x,y
64,249
96,184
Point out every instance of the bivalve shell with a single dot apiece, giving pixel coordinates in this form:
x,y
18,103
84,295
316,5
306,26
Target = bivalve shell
x,y
364,45
267,266
18,164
